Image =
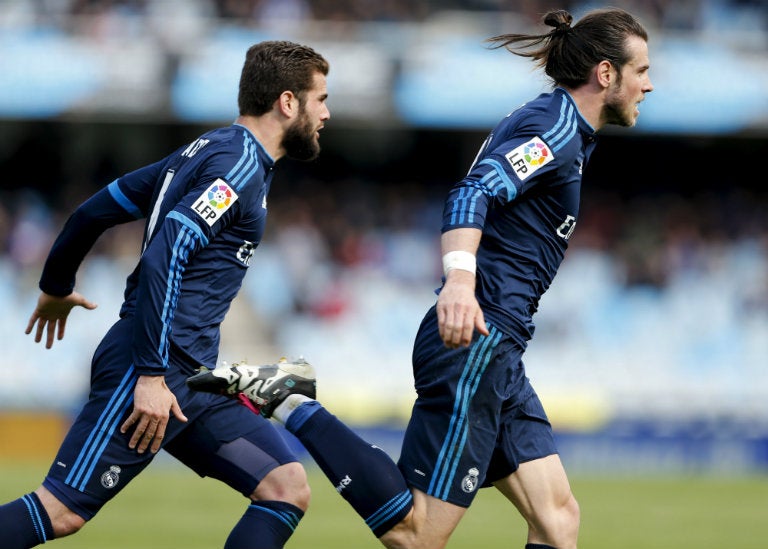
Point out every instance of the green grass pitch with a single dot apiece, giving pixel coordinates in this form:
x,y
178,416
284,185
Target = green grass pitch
x,y
169,507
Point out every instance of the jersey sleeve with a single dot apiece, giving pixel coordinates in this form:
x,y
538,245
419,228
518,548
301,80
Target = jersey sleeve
x,y
121,201
500,174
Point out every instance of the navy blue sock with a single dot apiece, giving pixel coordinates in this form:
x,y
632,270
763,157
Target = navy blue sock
x,y
538,546
363,474
24,523
265,525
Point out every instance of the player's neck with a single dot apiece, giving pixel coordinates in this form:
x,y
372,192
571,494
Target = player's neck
x,y
267,131
589,100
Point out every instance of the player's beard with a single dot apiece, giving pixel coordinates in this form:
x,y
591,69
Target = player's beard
x,y
618,109
299,140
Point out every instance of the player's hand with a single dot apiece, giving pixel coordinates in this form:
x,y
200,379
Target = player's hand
x,y
51,314
458,312
153,402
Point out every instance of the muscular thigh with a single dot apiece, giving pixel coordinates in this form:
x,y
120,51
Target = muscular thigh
x,y
536,487
232,444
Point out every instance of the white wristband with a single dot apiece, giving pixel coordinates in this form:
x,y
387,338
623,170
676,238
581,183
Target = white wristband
x,y
459,259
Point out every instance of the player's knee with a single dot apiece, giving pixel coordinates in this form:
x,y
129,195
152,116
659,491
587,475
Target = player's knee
x,y
63,521
416,532
560,527
66,524
572,518
403,534
285,483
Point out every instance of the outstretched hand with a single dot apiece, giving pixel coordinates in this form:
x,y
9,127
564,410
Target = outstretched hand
x,y
51,314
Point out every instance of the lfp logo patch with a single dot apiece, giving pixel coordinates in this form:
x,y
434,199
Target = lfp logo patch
x,y
536,154
219,196
529,157
214,201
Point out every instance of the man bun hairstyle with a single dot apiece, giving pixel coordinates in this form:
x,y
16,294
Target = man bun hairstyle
x,y
568,53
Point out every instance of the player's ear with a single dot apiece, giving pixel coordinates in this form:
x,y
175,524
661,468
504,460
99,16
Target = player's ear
x,y
605,73
288,104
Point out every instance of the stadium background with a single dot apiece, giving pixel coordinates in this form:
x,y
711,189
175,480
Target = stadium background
x,y
651,351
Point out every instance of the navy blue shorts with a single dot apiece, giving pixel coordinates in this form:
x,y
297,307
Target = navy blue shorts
x,y
476,417
222,439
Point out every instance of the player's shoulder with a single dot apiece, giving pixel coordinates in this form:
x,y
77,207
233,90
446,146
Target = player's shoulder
x,y
544,112
233,151
232,139
554,118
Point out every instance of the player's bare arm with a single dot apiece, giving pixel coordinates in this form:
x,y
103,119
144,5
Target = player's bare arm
x,y
51,314
458,312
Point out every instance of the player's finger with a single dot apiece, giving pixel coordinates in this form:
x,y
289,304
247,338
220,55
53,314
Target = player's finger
x,y
177,413
440,310
149,435
157,442
446,329
138,431
39,330
50,332
157,437
31,323
453,336
142,436
144,442
465,335
130,420
62,327
480,323
138,434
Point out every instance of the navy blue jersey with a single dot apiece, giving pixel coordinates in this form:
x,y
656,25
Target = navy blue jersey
x,y
205,208
523,192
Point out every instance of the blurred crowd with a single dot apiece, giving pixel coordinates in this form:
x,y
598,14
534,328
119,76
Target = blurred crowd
x,y
89,16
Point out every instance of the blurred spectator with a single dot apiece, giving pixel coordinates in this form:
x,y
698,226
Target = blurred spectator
x,y
106,14
31,232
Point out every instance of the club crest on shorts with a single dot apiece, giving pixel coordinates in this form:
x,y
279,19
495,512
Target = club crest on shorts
x,y
470,481
214,201
110,478
529,157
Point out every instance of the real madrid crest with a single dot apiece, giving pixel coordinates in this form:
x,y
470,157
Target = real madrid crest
x,y
469,482
110,478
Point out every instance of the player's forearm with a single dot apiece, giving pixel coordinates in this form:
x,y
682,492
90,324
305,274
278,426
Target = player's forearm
x,y
464,239
459,247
